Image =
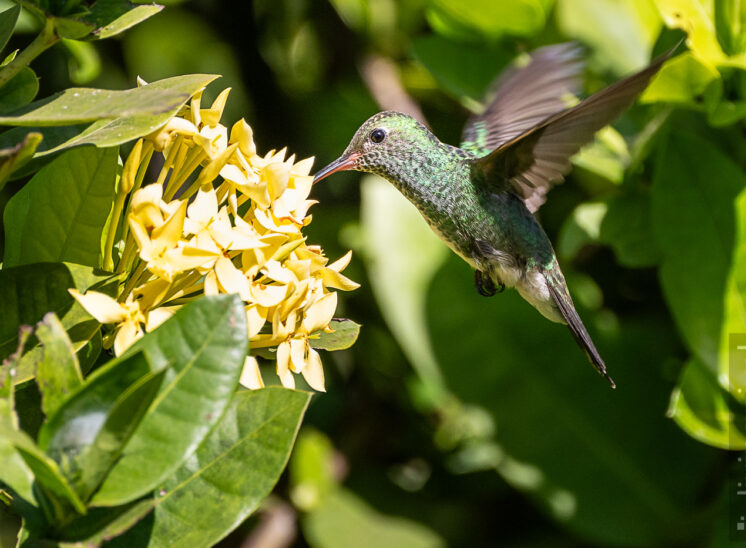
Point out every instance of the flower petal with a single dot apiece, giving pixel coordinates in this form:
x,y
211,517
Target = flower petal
x,y
283,361
320,313
313,373
251,377
100,306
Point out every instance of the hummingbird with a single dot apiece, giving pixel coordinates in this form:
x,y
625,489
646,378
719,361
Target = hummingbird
x,y
480,198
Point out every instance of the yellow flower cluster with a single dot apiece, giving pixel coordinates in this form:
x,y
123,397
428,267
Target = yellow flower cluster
x,y
233,226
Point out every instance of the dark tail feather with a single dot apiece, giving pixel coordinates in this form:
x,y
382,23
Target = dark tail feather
x,y
578,330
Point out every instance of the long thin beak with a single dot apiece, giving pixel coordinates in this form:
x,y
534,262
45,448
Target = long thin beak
x,y
342,163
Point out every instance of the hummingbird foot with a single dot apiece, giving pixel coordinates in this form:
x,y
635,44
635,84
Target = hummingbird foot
x,y
485,286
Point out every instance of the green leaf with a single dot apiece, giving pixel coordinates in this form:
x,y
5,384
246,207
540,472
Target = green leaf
x,y
461,69
730,21
621,32
87,434
685,80
485,19
79,105
343,519
75,425
695,19
233,470
8,20
57,374
707,412
702,237
205,343
547,401
19,91
311,469
99,20
13,470
28,292
46,472
116,16
60,213
344,336
100,525
403,256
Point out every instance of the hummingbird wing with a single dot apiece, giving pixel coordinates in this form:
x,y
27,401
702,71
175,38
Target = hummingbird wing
x,y
521,97
538,158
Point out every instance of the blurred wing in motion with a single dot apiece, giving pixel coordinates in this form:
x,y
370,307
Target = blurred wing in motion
x,y
536,159
521,97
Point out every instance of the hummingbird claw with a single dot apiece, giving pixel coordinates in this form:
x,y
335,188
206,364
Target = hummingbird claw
x,y
485,286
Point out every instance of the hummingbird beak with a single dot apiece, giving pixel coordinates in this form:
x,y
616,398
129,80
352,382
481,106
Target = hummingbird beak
x,y
344,162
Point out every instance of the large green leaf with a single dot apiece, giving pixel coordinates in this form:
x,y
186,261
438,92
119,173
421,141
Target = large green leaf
x,y
60,213
205,344
702,408
343,519
699,220
58,373
88,432
560,431
79,105
28,292
231,473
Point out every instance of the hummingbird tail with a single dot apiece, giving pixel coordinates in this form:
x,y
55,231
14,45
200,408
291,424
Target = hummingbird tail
x,y
578,330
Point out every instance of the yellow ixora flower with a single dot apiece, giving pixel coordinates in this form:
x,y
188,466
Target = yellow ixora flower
x,y
220,218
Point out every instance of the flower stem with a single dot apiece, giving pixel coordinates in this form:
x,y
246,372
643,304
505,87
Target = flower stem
x,y
132,282
147,154
46,38
115,216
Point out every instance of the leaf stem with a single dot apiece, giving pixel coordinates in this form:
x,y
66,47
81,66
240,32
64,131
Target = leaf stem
x,y
45,39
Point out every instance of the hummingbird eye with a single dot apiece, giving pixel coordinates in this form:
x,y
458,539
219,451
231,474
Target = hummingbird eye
x,y
378,135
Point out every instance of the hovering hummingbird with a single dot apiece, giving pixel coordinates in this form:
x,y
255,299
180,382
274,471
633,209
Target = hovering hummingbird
x,y
481,198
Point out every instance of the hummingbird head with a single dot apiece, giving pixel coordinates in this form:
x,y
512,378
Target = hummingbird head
x,y
388,144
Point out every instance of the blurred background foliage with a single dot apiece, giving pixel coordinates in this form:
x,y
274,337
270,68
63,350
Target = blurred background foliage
x,y
464,421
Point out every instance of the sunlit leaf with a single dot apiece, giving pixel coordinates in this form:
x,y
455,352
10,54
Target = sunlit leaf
x,y
88,432
78,105
685,80
702,408
233,470
204,345
344,336
702,237
58,373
